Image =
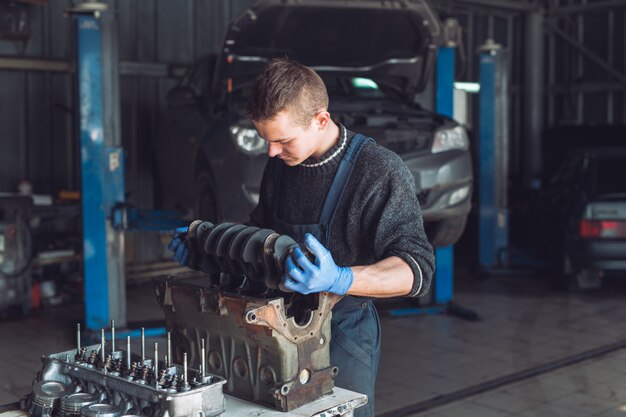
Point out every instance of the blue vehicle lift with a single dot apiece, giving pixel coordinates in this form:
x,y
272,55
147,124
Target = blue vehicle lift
x,y
443,282
444,104
494,252
105,216
102,164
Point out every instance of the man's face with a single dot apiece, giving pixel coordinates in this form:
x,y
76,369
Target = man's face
x,y
288,140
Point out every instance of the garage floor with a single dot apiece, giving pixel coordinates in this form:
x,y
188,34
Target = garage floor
x,y
536,352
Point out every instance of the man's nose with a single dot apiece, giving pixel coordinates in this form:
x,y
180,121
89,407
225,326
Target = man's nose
x,y
273,149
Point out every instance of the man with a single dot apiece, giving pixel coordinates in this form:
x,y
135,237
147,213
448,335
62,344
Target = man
x,y
351,202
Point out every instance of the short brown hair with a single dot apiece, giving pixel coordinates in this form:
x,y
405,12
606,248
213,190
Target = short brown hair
x,y
286,84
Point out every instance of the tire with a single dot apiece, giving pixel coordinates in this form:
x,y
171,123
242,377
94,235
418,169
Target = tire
x,y
589,279
205,200
580,279
446,232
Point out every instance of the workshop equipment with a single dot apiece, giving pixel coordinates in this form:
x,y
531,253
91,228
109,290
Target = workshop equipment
x,y
443,283
99,380
102,162
271,346
71,405
16,252
494,251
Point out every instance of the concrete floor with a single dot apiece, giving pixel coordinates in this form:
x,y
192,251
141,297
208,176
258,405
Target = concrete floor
x,y
527,328
536,352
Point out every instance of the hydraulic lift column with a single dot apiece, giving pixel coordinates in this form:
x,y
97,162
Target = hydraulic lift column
x,y
102,163
493,158
444,104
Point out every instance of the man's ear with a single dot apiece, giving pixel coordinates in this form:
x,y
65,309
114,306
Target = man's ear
x,y
322,118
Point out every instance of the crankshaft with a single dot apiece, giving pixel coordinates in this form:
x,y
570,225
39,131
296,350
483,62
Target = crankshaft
x,y
237,255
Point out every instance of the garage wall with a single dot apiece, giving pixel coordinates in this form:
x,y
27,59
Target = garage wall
x,y
37,138
37,125
579,89
36,134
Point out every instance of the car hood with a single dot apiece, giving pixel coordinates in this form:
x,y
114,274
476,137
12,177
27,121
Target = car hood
x,y
392,42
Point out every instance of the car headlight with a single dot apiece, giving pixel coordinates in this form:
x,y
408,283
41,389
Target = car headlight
x,y
448,139
248,140
458,195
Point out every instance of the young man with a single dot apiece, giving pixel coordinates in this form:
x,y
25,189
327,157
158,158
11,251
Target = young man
x,y
351,202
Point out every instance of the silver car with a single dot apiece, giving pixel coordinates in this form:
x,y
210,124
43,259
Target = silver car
x,y
375,57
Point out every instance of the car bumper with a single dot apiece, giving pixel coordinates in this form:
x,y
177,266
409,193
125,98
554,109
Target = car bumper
x,y
599,254
437,177
440,179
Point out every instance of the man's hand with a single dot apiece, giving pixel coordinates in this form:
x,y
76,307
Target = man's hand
x,y
178,245
305,277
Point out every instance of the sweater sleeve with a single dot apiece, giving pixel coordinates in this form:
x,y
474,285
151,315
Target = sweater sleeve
x,y
397,227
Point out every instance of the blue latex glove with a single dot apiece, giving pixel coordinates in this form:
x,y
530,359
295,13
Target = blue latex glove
x,y
178,245
303,276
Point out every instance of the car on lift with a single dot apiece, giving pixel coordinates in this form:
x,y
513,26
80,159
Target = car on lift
x,y
374,57
580,215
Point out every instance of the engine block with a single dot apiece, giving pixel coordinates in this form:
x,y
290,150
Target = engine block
x,y
272,346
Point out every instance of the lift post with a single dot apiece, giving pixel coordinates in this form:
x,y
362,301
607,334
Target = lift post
x,y
444,257
106,215
102,164
493,158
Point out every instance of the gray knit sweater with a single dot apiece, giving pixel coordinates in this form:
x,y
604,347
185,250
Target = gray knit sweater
x,y
377,217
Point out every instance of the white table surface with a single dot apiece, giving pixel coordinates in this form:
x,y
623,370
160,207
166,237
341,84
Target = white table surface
x,y
340,402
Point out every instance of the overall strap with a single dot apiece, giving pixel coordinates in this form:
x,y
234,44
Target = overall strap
x,y
341,178
277,170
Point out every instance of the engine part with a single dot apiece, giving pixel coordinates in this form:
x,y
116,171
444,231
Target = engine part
x,y
83,383
271,346
267,353
45,397
72,404
239,256
101,410
143,345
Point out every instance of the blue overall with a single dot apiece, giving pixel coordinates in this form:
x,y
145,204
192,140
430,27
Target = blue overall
x,y
355,329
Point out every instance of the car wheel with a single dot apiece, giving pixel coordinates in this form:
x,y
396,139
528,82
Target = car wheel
x,y
580,279
446,232
206,203
588,279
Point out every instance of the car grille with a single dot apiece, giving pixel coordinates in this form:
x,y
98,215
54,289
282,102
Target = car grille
x,y
403,141
400,141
